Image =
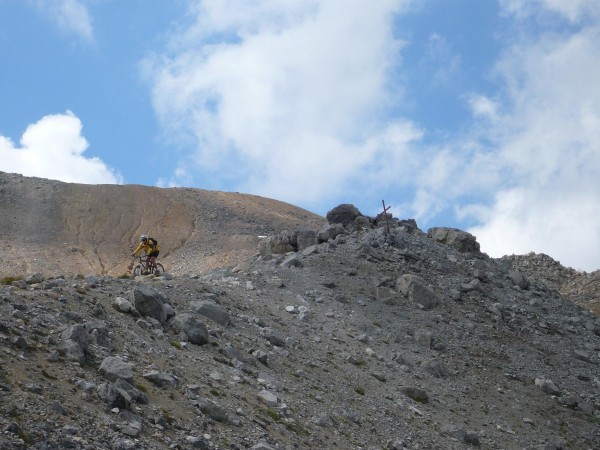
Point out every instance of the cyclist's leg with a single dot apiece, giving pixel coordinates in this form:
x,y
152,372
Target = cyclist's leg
x,y
147,265
153,259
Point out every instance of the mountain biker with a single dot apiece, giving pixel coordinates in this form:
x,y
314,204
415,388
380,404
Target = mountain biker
x,y
150,247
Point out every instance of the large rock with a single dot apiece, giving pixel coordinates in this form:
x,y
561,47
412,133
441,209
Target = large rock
x,y
211,310
276,245
329,231
417,291
113,396
344,214
193,329
460,240
149,302
114,368
306,239
74,343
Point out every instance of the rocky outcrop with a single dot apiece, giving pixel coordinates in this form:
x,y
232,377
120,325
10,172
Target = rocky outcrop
x,y
460,240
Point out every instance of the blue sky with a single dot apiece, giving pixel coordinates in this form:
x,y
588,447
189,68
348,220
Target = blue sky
x,y
478,114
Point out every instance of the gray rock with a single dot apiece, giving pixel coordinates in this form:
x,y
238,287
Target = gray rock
x,y
213,410
268,398
115,367
113,396
213,311
191,327
344,214
416,290
518,279
292,261
547,386
417,394
306,239
262,446
329,232
149,302
276,245
160,378
460,240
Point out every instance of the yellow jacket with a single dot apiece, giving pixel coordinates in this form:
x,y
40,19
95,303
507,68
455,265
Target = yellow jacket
x,y
148,247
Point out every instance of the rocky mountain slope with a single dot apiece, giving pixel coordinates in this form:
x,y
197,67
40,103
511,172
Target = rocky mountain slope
x,y
362,334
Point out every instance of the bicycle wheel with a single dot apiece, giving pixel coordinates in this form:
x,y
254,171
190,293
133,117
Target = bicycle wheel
x,y
137,270
159,269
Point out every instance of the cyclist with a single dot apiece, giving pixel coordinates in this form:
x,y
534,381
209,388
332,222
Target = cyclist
x,y
150,247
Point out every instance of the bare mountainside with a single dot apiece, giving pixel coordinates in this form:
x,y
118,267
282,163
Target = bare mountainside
x,y
346,333
360,336
57,228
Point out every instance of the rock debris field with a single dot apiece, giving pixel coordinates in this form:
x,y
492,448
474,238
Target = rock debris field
x,y
360,335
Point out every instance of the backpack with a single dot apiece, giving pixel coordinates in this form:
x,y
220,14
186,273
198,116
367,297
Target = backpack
x,y
154,244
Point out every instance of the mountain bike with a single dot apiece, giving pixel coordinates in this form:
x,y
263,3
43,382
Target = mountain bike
x,y
143,267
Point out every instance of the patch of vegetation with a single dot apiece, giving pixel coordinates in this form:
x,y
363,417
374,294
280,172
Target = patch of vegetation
x,y
297,428
215,392
9,280
273,414
24,436
167,416
48,375
223,361
175,344
359,390
141,387
125,276
292,426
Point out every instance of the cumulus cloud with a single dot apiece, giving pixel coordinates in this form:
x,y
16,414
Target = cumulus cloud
x,y
53,148
572,10
71,16
299,101
286,96
547,147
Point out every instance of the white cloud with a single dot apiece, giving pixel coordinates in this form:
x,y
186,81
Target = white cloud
x,y
572,10
53,148
296,100
482,106
547,144
286,96
71,16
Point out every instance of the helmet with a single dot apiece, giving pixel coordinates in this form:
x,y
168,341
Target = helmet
x,y
143,237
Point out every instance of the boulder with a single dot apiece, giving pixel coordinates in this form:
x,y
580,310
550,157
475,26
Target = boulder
x,y
276,245
211,310
114,368
417,291
461,240
149,302
344,214
192,328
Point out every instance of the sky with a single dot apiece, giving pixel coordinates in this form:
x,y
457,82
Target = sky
x,y
482,115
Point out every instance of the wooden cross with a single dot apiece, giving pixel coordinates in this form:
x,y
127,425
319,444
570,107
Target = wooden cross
x,y
385,210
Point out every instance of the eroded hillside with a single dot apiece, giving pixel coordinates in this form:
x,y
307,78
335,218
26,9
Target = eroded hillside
x,y
62,228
